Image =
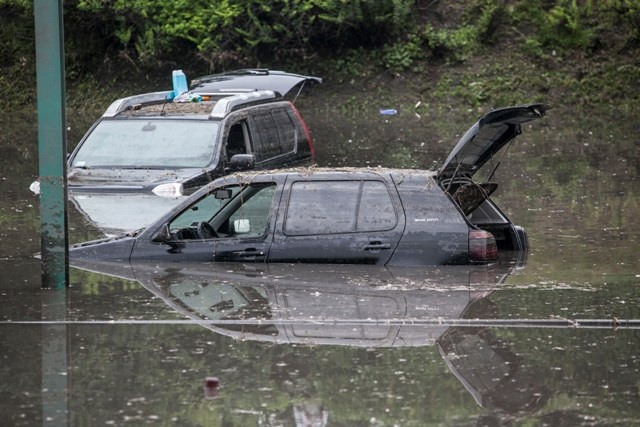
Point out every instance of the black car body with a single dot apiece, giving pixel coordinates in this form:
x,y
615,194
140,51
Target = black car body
x,y
172,142
379,216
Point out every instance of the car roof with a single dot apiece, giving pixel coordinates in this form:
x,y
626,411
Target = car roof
x,y
486,137
317,173
345,172
160,104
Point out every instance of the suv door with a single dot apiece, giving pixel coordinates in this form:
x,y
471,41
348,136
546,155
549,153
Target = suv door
x,y
245,230
339,221
231,223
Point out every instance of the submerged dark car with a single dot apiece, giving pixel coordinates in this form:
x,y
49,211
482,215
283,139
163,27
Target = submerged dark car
x,y
392,217
174,141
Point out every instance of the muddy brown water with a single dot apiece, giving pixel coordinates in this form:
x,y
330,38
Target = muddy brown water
x,y
298,346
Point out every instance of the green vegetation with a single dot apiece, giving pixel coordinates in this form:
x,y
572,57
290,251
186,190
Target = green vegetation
x,y
475,53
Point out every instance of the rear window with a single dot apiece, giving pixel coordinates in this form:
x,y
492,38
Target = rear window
x,y
329,207
274,133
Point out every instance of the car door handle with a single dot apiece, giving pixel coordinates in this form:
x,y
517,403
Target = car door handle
x,y
247,253
376,246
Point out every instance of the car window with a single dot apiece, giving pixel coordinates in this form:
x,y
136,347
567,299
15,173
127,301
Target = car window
x,y
237,139
328,207
274,134
148,143
202,210
231,211
253,213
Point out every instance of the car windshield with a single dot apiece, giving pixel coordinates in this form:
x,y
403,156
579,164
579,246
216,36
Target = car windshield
x,y
148,144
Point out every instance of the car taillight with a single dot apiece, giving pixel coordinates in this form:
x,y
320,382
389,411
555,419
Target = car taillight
x,y
482,246
306,129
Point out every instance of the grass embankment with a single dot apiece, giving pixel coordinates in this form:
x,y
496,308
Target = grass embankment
x,y
454,54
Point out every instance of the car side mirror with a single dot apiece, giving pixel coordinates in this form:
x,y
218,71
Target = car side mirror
x,y
241,226
241,162
162,235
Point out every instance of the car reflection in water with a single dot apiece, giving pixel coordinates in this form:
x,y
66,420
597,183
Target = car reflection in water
x,y
116,213
363,306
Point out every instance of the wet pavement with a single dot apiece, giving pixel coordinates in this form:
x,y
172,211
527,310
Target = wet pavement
x,y
546,339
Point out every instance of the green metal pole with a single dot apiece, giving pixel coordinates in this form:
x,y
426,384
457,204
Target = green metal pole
x,y
52,144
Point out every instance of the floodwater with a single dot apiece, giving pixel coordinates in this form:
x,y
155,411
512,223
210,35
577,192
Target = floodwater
x,y
547,339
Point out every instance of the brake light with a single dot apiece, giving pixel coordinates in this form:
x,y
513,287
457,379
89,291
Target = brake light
x,y
306,130
482,246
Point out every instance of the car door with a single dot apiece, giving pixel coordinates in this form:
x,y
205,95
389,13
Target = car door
x,y
337,220
230,223
245,230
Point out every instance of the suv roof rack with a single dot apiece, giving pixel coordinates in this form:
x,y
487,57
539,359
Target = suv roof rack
x,y
122,104
225,105
226,102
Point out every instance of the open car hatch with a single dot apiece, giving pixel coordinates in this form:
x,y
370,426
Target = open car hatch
x,y
486,137
248,80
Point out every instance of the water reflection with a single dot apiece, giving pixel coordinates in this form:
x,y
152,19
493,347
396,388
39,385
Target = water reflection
x,y
115,213
315,303
325,344
491,371
353,306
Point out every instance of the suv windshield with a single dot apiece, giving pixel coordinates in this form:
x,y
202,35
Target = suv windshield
x,y
148,144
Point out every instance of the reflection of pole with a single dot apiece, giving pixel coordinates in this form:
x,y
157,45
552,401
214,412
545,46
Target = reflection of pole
x,y
55,370
52,142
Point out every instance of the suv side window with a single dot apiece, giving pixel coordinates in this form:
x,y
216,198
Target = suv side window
x,y
253,213
237,140
329,207
239,211
274,133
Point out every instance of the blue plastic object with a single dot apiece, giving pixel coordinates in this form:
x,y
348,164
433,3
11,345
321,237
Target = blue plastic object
x,y
388,112
179,83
